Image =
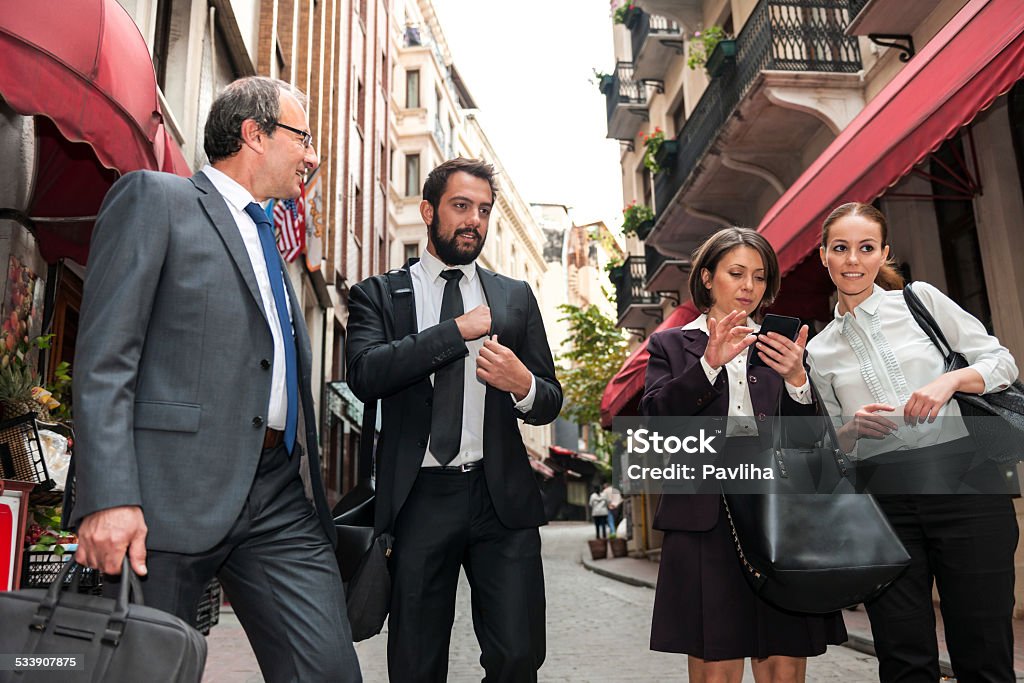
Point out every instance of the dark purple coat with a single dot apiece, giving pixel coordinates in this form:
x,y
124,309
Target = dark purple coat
x,y
676,385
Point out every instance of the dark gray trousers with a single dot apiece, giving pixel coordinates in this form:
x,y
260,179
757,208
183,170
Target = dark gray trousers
x,y
280,574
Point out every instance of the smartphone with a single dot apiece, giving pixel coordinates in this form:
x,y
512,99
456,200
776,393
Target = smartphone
x,y
785,325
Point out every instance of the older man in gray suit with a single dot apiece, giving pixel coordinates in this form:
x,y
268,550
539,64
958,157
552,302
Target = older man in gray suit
x,y
192,371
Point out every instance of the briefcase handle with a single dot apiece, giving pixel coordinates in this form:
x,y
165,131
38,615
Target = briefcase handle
x,y
131,592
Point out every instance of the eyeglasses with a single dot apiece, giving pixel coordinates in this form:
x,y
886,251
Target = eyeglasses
x,y
307,139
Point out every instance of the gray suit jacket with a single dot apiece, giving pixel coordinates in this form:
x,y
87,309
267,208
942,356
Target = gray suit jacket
x,y
173,365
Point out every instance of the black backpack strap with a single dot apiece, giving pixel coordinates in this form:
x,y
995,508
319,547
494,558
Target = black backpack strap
x,y
400,294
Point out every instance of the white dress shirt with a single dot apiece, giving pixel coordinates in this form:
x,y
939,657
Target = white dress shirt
x,y
741,420
237,198
428,290
879,354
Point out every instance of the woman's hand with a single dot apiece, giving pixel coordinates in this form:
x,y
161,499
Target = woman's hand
x,y
925,403
784,356
866,424
727,338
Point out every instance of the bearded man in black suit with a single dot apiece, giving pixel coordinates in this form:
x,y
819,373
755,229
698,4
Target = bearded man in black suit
x,y
454,484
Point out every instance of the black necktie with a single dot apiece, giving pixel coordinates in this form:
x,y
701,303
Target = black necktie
x,y
449,383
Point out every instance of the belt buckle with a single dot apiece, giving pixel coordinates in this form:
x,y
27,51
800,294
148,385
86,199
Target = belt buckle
x,y
465,467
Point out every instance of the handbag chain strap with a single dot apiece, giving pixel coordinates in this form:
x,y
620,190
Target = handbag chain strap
x,y
751,569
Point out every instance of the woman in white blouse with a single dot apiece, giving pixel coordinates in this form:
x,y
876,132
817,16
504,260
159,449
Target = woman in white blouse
x,y
878,370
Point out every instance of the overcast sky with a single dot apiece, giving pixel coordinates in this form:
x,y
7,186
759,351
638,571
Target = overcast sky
x,y
529,66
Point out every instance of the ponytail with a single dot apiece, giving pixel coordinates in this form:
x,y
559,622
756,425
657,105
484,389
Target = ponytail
x,y
888,277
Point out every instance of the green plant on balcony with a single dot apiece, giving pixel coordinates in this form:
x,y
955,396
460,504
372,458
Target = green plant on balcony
x,y
602,80
615,269
652,143
621,12
702,43
637,219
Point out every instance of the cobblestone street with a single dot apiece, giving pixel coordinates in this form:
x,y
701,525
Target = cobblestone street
x,y
581,646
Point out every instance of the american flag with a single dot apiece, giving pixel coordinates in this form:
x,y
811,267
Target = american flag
x,y
290,226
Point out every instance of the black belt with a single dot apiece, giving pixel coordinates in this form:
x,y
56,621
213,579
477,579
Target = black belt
x,y
464,467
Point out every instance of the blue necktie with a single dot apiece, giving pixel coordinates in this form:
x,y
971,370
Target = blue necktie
x,y
276,275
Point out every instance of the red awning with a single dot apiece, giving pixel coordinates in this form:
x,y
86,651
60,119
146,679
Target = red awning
x,y
87,77
974,59
628,383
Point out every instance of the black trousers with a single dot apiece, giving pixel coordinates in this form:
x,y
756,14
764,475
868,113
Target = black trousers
x,y
965,543
280,573
448,522
601,526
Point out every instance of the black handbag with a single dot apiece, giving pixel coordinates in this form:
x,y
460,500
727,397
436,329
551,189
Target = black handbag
x,y
814,552
996,420
111,640
363,553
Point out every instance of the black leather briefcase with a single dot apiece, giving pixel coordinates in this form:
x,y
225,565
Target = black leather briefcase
x,y
111,640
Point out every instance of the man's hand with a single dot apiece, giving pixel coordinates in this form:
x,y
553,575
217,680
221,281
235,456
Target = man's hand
x,y
105,536
474,324
500,368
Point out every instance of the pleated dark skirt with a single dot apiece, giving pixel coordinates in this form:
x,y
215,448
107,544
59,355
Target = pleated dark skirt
x,y
703,605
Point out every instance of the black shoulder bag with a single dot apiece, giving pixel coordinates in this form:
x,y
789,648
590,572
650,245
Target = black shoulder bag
x,y
996,420
362,554
813,552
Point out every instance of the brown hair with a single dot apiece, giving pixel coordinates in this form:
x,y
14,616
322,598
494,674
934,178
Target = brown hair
x,y
888,277
437,180
718,245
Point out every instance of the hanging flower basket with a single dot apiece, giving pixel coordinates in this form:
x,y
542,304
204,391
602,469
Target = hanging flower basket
x,y
665,157
722,58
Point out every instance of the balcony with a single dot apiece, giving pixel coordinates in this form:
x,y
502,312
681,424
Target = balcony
x,y
626,100
793,62
666,274
656,40
637,307
887,16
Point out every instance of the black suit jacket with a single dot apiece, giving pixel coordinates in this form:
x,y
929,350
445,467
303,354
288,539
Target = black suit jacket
x,y
677,385
397,371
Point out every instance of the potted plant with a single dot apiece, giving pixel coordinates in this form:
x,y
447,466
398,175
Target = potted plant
x,y
619,548
652,145
702,43
721,58
622,12
598,548
604,81
637,219
616,270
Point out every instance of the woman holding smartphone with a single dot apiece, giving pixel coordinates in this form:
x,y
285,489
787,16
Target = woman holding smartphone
x,y
879,371
703,605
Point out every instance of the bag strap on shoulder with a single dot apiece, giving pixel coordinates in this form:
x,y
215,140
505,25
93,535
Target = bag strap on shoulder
x,y
925,319
400,295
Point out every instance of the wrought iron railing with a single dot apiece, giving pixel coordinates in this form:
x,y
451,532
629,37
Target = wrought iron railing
x,y
782,35
654,259
856,6
646,24
629,290
625,89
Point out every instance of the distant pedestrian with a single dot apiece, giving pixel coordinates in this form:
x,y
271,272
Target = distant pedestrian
x,y
599,511
614,498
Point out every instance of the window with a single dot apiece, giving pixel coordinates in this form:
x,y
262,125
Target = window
x,y
410,250
412,175
412,89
